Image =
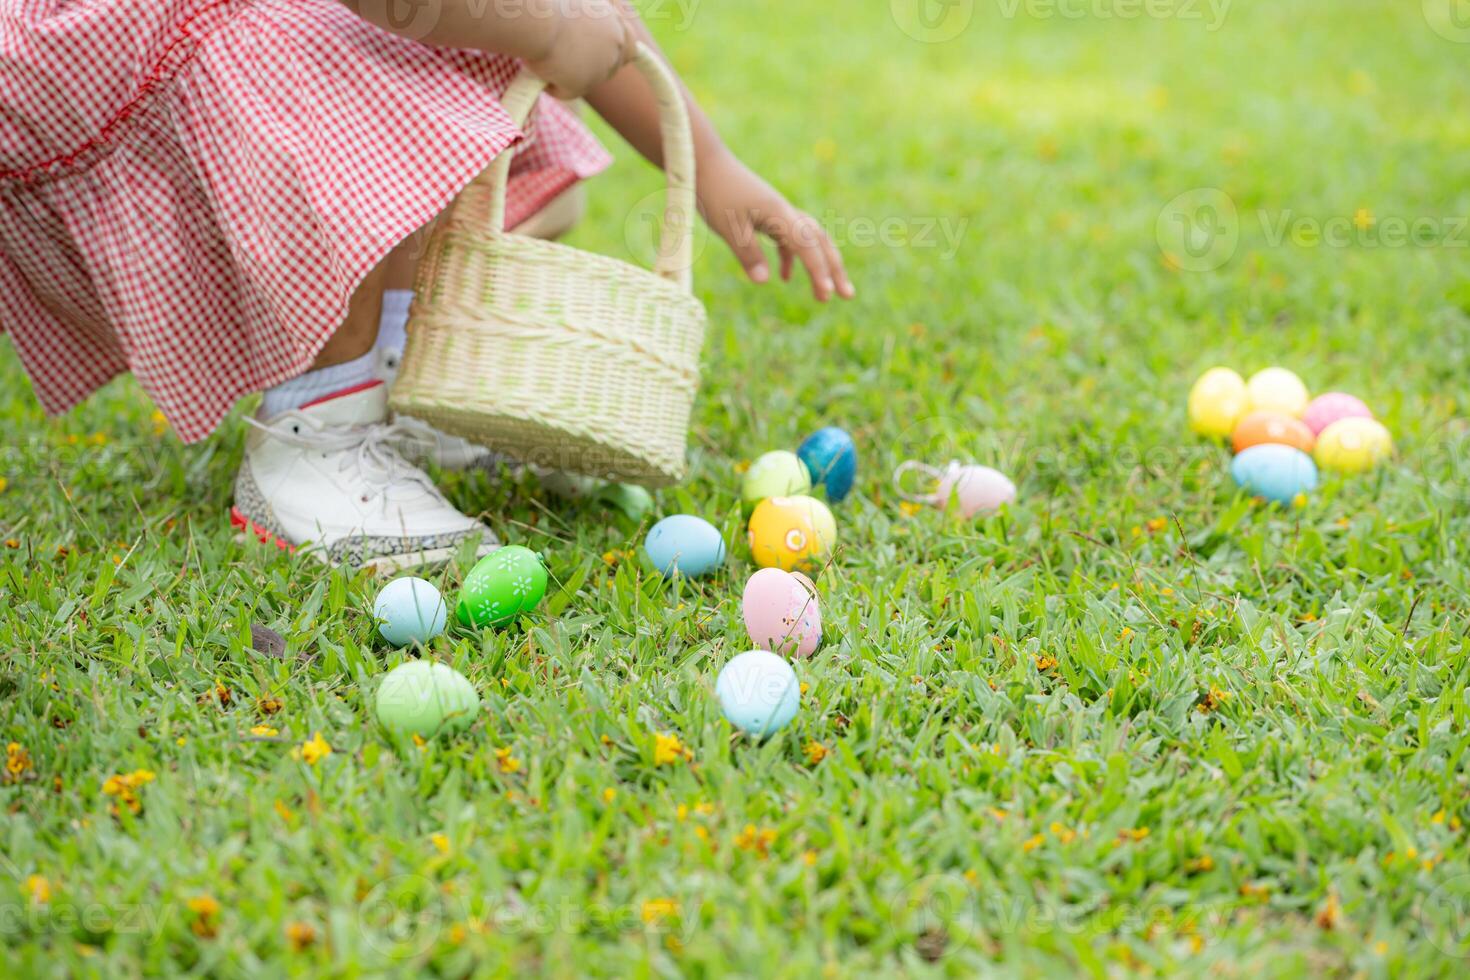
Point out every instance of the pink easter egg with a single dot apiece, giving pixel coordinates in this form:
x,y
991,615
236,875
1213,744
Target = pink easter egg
x,y
979,489
1328,408
781,613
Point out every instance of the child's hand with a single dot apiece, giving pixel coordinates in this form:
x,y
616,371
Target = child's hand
x,y
590,40
740,207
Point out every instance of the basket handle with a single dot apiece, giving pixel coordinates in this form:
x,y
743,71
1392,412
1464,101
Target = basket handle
x,y
676,238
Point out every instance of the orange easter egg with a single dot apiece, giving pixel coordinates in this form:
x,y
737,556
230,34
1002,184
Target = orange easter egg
x,y
1259,428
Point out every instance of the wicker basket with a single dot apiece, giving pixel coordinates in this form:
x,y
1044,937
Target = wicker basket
x,y
557,357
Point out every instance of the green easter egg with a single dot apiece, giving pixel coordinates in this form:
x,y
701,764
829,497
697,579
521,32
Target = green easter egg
x,y
424,698
503,585
776,474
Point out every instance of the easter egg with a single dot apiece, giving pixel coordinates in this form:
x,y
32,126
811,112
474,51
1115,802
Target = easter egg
x,y
504,584
781,612
758,692
831,459
1216,401
1334,405
1275,389
686,544
634,501
1275,472
1353,445
775,474
424,698
410,610
977,489
1263,427
791,533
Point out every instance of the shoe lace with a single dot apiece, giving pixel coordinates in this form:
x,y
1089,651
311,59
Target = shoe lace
x,y
371,449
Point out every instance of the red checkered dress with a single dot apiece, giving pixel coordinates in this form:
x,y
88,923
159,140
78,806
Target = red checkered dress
x,y
192,189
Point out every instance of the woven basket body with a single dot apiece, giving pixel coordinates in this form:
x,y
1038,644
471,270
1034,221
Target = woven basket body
x,y
554,356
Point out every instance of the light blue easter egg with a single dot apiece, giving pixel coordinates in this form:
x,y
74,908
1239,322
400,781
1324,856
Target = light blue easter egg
x,y
410,610
686,544
832,459
1274,471
758,692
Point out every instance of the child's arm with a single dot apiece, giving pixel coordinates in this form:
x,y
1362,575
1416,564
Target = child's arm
x,y
735,202
573,44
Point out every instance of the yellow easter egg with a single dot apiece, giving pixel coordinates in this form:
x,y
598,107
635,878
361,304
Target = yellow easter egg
x,y
1353,445
791,533
1275,389
1216,402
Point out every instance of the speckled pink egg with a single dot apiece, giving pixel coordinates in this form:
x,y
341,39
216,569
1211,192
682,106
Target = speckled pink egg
x,y
1328,408
979,489
781,613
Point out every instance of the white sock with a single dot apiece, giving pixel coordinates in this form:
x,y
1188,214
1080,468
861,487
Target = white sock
x,y
316,385
392,332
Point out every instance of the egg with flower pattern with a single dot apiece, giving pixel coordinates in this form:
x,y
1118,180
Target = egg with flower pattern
x,y
501,586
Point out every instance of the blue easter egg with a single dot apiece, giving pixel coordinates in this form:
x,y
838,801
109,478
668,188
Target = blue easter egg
x,y
1275,472
758,692
410,610
686,544
832,459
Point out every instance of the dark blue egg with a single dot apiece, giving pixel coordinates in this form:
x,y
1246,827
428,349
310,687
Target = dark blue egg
x,y
832,459
1275,472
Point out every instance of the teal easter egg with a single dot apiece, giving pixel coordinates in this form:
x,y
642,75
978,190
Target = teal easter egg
x,y
1274,471
410,610
424,698
831,457
775,474
686,544
758,693
503,585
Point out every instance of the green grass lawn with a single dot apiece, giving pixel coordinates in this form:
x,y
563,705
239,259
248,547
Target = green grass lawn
x,y
1136,722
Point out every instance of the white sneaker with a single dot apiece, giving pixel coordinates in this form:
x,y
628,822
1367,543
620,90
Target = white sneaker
x,y
425,444
329,475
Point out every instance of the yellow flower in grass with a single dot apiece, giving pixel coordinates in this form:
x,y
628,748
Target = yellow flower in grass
x,y
657,911
1134,834
440,842
909,508
301,936
1062,833
1032,843
815,752
126,787
757,840
38,889
313,750
667,750
17,762
508,763
609,794
4,484
206,912
264,731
